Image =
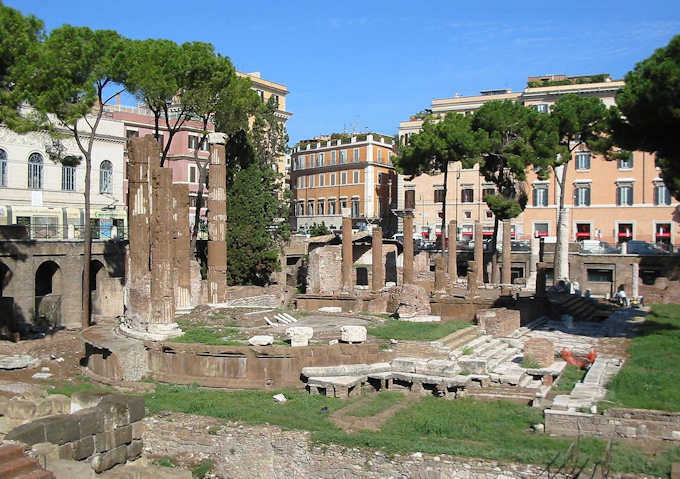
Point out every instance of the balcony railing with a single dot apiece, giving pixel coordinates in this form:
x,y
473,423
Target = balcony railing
x,y
60,232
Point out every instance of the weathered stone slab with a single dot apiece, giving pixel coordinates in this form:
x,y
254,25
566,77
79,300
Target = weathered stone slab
x,y
19,361
299,335
353,334
261,340
539,350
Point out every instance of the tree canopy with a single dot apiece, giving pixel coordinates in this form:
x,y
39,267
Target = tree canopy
x,y
20,38
650,106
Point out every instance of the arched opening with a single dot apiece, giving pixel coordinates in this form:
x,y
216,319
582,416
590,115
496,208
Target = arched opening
x,y
5,277
97,273
6,302
106,177
48,291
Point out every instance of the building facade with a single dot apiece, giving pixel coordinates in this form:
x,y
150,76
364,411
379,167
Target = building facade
x,y
328,175
46,196
611,201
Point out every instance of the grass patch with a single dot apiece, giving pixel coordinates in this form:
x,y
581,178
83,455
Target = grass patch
x,y
377,404
376,315
468,351
406,330
79,383
529,363
202,469
205,334
570,376
301,411
650,379
165,461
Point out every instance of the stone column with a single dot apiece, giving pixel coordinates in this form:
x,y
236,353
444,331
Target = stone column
x,y
451,259
217,220
635,287
180,215
138,294
507,256
408,248
471,279
479,253
541,279
563,263
377,265
162,255
347,261
439,274
534,253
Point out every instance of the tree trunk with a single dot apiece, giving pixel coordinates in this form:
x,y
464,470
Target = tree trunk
x,y
87,253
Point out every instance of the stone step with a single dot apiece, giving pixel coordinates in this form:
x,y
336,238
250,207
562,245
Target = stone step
x,y
460,337
503,356
16,466
472,346
10,451
494,348
37,474
525,381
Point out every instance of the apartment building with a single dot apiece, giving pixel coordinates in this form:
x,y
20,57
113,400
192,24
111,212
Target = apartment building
x,y
612,201
331,173
46,195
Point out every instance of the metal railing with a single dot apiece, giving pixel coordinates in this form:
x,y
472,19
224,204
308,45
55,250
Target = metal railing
x,y
60,232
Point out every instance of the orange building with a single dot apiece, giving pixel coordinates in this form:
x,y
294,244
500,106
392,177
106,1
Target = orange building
x,y
611,201
355,172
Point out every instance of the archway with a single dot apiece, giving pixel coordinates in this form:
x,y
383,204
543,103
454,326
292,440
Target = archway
x,y
6,302
5,278
48,292
97,273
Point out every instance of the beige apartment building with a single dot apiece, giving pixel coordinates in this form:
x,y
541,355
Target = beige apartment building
x,y
268,89
612,201
329,174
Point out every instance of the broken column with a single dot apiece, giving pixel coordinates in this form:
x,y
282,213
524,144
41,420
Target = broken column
x,y
451,259
635,287
217,220
471,279
162,256
377,265
347,260
408,248
439,275
541,270
479,253
180,216
507,248
140,152
540,351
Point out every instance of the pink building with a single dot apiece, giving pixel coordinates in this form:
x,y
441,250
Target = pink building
x,y
139,121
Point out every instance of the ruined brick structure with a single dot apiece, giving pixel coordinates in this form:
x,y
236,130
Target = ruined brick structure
x,y
217,220
539,350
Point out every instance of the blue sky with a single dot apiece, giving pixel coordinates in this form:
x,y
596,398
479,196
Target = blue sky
x,y
369,65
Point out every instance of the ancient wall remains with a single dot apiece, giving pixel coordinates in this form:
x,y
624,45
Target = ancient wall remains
x,y
539,350
615,423
499,322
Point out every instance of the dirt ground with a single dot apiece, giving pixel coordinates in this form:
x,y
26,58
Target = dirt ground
x,y
352,424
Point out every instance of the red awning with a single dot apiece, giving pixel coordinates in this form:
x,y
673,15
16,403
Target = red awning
x,y
541,234
438,233
426,234
487,233
583,234
663,235
467,233
625,235
512,235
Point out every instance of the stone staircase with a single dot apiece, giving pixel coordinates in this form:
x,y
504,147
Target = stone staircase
x,y
593,388
14,464
579,307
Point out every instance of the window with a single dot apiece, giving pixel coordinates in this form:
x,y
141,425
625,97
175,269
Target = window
x,y
467,232
488,192
489,214
355,207
410,199
438,196
105,177
540,195
3,168
192,174
356,155
599,275
626,163
300,208
582,231
131,134
301,182
331,207
343,178
343,204
467,214
332,157
276,101
542,108
311,181
583,160
332,179
320,207
540,230
343,157
322,180
582,195
68,178
389,157
310,207
467,195
35,171
662,196
355,177
379,156
193,142
260,94
625,232
319,159
624,194
663,233
301,162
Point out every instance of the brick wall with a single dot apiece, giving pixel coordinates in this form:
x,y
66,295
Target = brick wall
x,y
540,350
498,322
